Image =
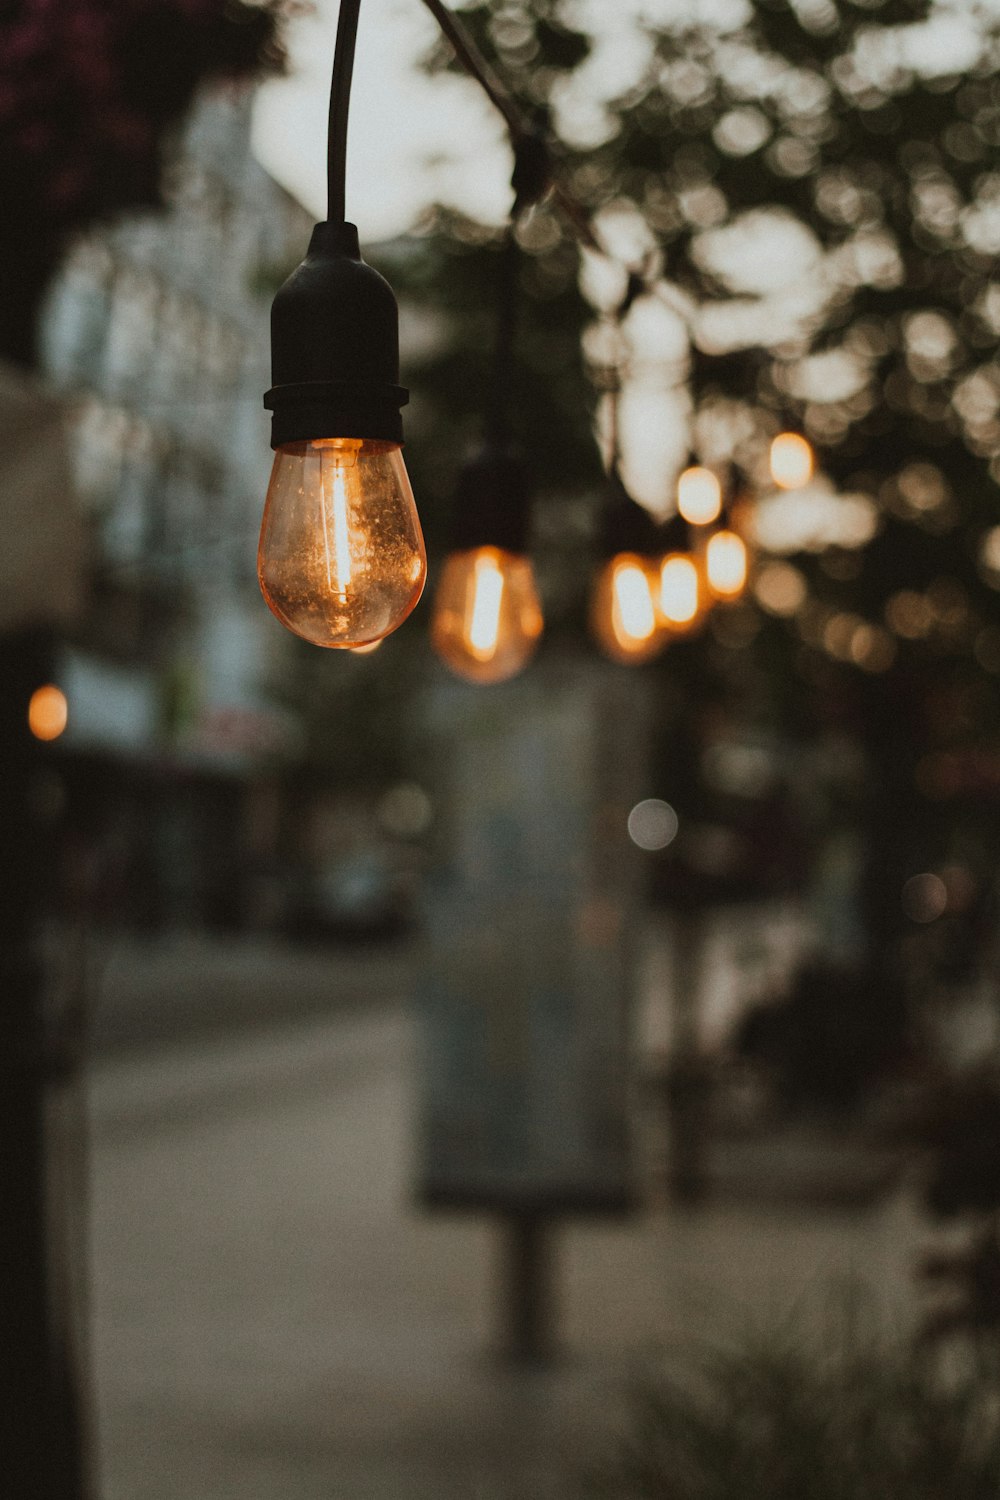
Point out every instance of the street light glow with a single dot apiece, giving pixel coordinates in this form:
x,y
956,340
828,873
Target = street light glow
x,y
48,712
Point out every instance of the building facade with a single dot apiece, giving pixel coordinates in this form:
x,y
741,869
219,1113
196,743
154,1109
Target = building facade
x,y
157,328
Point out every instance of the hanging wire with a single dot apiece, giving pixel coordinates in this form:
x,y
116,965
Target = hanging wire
x,y
533,148
535,174
498,414
521,129
340,100
530,181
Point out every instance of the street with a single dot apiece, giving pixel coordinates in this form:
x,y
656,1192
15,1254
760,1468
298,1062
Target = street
x,y
274,1319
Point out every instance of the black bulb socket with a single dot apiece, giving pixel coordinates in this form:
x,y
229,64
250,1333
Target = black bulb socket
x,y
675,534
627,526
492,501
335,347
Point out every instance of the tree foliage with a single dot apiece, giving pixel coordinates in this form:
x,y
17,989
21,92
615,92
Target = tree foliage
x,y
813,192
88,91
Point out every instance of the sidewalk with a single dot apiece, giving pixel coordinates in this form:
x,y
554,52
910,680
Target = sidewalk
x,y
274,1320
204,985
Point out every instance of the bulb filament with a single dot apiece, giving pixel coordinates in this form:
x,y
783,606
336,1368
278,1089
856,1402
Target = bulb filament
x,y
726,563
679,590
484,628
634,617
337,457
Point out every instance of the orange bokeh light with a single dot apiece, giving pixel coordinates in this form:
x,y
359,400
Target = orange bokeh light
x,y
792,461
48,712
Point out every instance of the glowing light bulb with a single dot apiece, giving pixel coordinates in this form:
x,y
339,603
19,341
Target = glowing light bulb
x,y
726,564
48,712
487,618
699,496
791,461
680,591
623,609
341,560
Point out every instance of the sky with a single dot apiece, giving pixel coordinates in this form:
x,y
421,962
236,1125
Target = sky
x,y
415,140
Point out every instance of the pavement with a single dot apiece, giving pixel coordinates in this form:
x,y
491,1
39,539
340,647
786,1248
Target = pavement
x,y
274,1319
148,992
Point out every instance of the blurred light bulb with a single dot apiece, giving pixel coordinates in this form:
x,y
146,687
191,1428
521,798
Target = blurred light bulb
x,y
341,560
791,461
699,496
487,618
48,712
726,564
623,609
680,591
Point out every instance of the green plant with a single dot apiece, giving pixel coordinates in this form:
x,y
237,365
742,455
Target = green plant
x,y
786,1416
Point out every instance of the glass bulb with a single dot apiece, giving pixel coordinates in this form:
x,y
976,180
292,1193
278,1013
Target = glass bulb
x,y
791,461
726,564
623,609
699,496
341,560
487,618
680,591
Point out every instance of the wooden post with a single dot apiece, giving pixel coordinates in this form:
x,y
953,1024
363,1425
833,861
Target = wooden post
x,y
42,1451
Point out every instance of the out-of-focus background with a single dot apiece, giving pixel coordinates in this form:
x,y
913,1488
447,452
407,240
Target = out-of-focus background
x,y
407,1084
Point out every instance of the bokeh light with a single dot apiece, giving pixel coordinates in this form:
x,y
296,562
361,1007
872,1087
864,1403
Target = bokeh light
x,y
699,496
925,898
791,461
812,520
652,824
780,589
679,591
726,564
909,614
48,712
989,556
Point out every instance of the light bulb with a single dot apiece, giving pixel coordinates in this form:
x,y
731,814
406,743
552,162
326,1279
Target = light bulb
x,y
680,591
791,461
623,609
487,619
341,559
726,564
699,496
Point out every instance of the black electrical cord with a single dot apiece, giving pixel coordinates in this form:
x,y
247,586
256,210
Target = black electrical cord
x,y
525,137
477,67
530,181
498,419
340,100
519,127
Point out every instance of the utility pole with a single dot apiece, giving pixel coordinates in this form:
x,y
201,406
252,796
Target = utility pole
x,y
42,1448
527,1287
